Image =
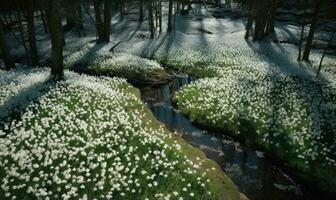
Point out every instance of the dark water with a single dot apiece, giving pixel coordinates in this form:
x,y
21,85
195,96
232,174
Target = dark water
x,y
254,175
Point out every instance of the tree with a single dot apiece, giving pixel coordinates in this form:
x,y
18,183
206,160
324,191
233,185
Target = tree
x,y
79,22
56,35
250,17
107,20
312,31
19,20
170,13
99,21
43,20
150,19
324,53
272,16
302,29
141,11
160,13
31,33
262,13
70,14
5,52
74,17
103,27
121,9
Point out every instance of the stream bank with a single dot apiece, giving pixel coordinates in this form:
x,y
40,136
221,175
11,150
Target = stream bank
x,y
254,174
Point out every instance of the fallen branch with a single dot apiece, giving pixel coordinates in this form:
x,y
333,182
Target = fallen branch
x,y
114,46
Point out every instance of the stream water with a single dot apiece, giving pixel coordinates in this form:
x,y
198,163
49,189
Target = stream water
x,y
254,175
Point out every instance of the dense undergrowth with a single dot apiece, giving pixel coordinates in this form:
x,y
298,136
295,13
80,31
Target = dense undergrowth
x,y
96,59
91,138
243,93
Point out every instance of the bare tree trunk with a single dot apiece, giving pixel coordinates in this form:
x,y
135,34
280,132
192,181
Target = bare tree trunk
x,y
160,19
258,24
177,6
141,11
250,17
56,35
156,3
312,31
262,13
5,51
121,9
302,29
170,13
324,52
274,6
31,33
151,19
19,19
265,10
99,21
43,21
70,15
79,26
107,20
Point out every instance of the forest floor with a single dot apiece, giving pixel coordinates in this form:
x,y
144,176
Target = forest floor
x,y
246,87
77,132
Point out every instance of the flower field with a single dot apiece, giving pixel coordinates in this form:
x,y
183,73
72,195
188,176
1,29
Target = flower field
x,y
290,115
97,60
91,138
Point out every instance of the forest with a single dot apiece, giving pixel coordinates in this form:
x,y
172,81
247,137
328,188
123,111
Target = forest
x,y
168,99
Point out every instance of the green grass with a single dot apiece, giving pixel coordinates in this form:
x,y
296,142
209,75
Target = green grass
x,y
286,118
95,59
88,138
244,93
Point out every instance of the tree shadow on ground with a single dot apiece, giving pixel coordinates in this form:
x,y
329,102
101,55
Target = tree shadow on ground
x,y
82,64
13,109
313,94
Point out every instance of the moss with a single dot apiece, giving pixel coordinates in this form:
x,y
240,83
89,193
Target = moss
x,y
220,183
318,174
105,123
93,60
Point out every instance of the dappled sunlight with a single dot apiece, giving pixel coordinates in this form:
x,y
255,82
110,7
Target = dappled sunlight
x,y
91,147
167,100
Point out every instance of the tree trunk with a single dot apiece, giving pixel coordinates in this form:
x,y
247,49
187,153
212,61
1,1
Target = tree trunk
x,y
312,31
267,18
107,20
5,51
151,19
156,15
31,33
324,52
121,9
263,14
273,10
170,12
19,19
160,19
99,21
258,24
79,19
250,17
56,35
43,21
302,30
141,11
70,15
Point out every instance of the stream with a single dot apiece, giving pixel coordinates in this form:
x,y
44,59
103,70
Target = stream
x,y
255,176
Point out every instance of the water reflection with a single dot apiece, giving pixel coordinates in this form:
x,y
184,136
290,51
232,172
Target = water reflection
x,y
251,172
